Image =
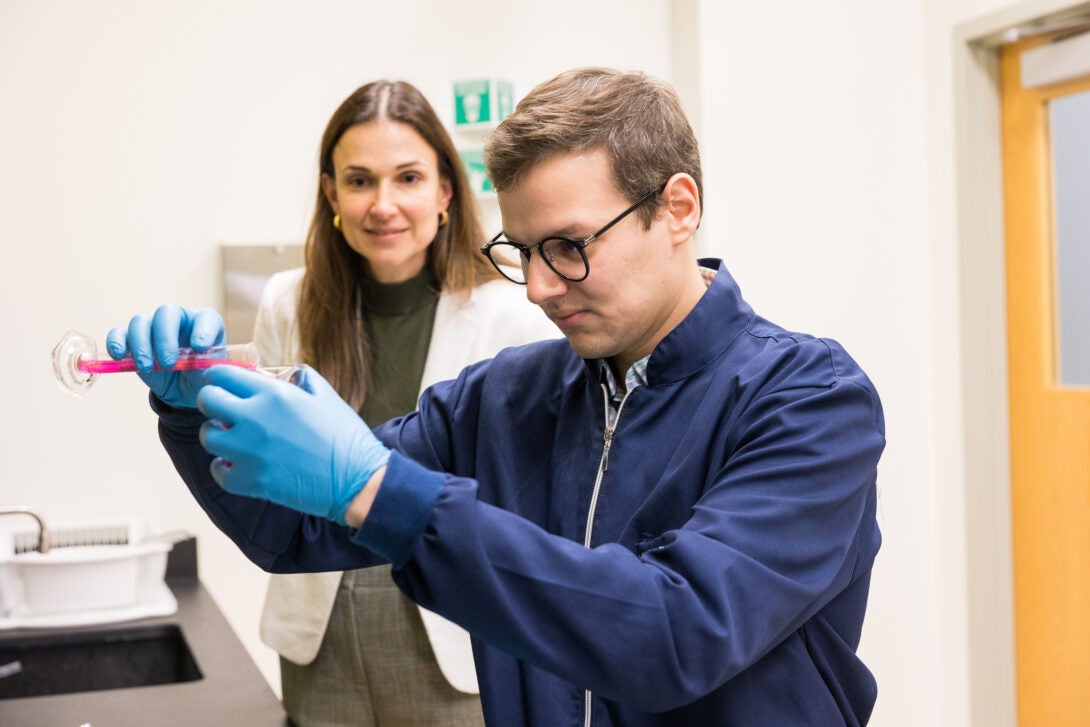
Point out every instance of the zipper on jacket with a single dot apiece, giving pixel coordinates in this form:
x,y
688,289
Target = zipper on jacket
x,y
607,441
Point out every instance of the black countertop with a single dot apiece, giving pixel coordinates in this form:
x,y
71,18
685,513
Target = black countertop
x,y
231,691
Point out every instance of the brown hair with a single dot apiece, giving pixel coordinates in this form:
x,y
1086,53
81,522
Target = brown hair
x,y
637,120
333,333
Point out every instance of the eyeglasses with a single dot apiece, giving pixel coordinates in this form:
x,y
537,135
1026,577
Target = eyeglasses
x,y
564,257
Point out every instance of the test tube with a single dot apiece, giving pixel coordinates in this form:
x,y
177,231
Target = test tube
x,y
77,363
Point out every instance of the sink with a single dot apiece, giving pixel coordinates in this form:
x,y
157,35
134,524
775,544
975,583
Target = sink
x,y
84,661
89,575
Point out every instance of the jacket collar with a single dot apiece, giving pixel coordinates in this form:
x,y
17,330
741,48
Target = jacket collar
x,y
706,333
720,316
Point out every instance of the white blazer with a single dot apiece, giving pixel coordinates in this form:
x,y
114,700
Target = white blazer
x,y
467,329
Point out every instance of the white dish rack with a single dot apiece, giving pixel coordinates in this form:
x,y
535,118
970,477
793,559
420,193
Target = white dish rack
x,y
76,576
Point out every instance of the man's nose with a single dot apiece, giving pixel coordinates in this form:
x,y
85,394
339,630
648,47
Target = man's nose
x,y
542,282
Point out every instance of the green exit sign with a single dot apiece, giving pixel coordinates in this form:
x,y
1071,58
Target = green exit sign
x,y
481,101
473,161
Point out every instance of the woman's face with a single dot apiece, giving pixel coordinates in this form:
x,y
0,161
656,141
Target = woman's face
x,y
388,192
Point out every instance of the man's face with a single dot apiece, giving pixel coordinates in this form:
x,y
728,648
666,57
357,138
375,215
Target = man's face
x,y
631,297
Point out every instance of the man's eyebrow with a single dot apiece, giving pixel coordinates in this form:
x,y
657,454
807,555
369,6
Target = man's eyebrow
x,y
568,232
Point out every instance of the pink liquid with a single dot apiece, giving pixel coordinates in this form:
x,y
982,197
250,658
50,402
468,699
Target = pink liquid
x,y
125,365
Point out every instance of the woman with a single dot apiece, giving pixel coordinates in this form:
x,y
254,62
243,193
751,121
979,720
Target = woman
x,y
394,297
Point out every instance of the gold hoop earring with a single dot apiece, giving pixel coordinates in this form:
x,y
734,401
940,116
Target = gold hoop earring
x,y
444,217
336,222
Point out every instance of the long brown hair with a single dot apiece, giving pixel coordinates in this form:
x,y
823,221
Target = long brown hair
x,y
334,335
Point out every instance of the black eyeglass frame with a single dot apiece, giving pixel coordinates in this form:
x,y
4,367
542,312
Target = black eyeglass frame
x,y
580,245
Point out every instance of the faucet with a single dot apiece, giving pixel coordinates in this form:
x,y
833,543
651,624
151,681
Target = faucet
x,y
43,533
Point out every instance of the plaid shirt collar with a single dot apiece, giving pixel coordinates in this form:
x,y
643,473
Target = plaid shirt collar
x,y
635,376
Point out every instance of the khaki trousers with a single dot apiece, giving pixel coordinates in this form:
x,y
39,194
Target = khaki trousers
x,y
375,667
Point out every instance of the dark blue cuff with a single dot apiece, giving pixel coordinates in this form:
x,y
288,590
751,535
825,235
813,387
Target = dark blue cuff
x,y
184,424
401,510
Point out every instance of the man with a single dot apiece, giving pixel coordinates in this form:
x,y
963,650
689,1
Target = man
x,y
666,519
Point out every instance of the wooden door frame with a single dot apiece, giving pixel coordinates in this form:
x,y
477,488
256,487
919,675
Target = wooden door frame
x,y
1049,507
982,321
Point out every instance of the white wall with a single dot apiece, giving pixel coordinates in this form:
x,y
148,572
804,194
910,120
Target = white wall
x,y
137,136
833,186
816,148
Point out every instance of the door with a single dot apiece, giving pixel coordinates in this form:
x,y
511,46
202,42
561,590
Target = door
x,y
1046,158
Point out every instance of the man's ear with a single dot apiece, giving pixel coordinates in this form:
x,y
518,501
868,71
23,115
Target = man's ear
x,y
682,207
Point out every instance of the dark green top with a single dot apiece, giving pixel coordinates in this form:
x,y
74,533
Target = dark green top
x,y
401,316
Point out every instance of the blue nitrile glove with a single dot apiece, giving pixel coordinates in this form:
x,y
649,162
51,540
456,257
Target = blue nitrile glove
x,y
156,339
298,445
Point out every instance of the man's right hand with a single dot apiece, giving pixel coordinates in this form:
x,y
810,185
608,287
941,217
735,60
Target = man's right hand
x,y
154,341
